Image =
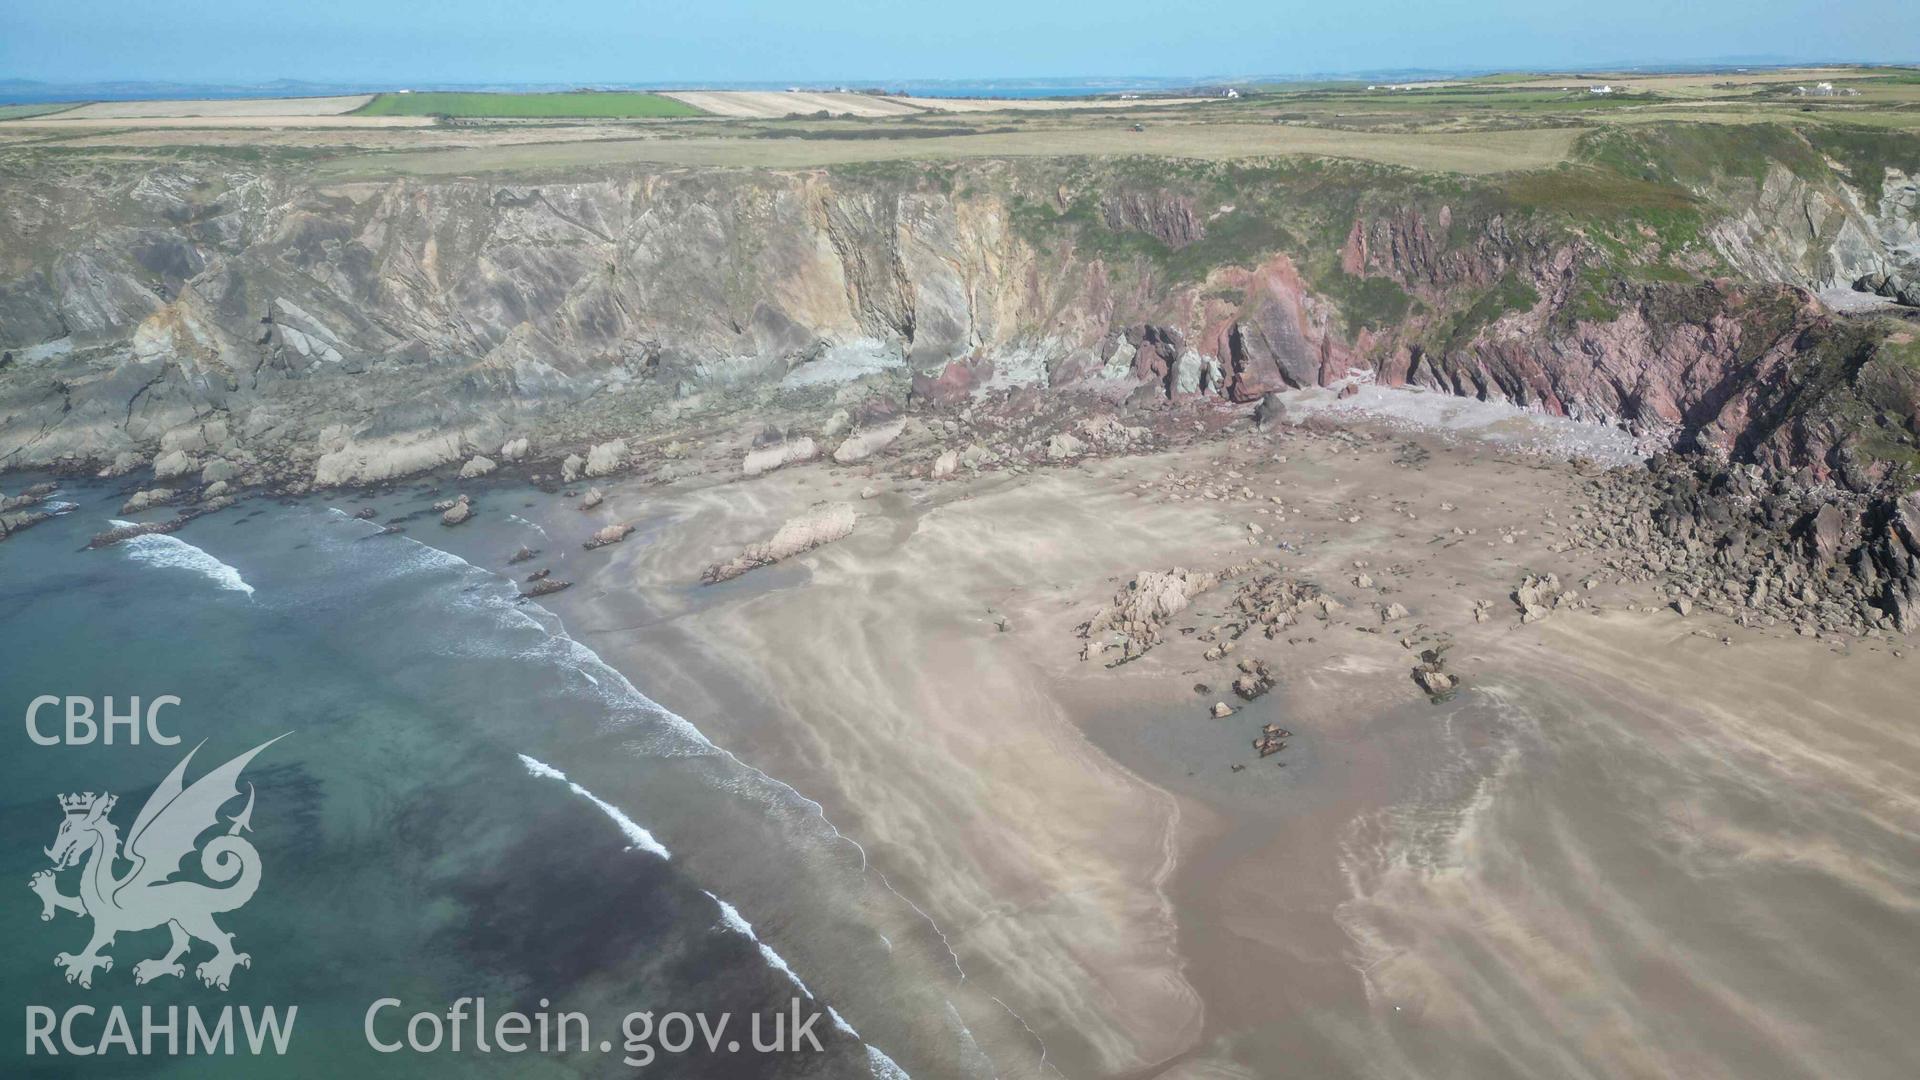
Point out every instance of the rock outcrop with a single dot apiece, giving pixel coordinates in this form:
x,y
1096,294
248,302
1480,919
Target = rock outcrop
x,y
210,315
865,443
783,453
1137,612
146,500
459,513
120,533
612,534
821,525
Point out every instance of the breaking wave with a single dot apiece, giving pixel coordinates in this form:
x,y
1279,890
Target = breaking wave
x,y
658,733
883,1066
172,552
731,917
642,839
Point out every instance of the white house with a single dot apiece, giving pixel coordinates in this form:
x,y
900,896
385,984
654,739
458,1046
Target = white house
x,y
1603,88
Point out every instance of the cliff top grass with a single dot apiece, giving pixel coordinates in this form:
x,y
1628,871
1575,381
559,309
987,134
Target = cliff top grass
x,y
1462,152
1514,122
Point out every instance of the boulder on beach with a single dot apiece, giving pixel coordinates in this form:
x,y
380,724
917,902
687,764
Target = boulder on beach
x,y
515,449
477,466
606,458
946,465
1432,675
1255,679
1271,412
593,498
571,468
123,463
172,464
1064,447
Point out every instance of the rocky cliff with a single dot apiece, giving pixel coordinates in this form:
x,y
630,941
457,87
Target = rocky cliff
x,y
249,324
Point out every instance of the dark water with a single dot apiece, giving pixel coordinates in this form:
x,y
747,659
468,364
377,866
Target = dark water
x,y
416,839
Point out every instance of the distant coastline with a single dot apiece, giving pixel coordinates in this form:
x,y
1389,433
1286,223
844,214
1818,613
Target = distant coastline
x,y
33,92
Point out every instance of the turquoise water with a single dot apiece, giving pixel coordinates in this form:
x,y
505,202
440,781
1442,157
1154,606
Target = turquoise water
x,y
416,836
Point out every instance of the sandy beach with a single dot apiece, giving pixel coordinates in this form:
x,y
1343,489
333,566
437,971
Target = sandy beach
x,y
1114,867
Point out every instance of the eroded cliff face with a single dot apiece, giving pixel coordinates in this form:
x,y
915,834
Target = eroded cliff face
x,y
255,325
1821,236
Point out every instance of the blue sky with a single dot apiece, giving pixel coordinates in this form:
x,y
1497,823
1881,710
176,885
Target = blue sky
x,y
402,42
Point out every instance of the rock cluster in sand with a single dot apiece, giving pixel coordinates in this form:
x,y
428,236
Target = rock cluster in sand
x,y
544,586
1135,615
1432,674
1538,596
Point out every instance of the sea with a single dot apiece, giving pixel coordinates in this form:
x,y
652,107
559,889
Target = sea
x,y
463,801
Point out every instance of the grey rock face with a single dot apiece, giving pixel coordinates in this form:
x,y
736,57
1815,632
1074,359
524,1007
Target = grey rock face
x,y
315,333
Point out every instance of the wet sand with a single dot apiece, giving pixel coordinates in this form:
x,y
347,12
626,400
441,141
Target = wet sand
x,y
1624,848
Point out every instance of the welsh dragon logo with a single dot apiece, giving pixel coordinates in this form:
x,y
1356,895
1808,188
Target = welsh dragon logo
x,y
143,898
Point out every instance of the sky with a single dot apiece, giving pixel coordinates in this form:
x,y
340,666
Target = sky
x,y
406,42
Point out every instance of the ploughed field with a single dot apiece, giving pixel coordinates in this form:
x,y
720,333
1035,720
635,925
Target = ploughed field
x,y
545,106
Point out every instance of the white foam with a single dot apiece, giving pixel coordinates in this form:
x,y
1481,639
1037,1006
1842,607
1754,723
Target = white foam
x,y
156,549
883,1066
731,916
671,735
841,1022
642,839
534,525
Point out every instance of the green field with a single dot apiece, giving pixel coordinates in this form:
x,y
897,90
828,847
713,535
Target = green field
x,y
21,112
579,104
